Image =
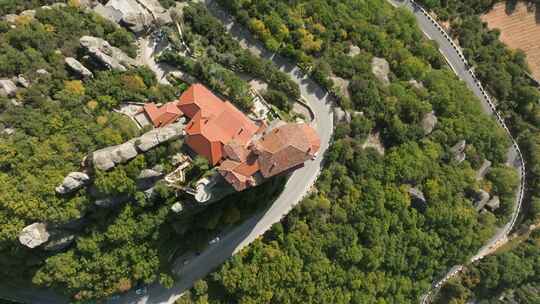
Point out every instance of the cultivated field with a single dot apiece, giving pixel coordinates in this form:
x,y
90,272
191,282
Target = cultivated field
x,y
520,29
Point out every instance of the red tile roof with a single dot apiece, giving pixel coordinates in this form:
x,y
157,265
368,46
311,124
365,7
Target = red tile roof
x,y
198,98
163,115
214,123
240,174
286,147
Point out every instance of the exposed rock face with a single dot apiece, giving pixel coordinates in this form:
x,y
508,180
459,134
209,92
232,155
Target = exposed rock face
x,y
380,68
20,80
155,137
34,235
43,72
494,203
59,241
147,178
458,151
341,115
417,195
109,157
342,86
415,84
7,88
137,15
29,13
481,199
429,122
354,50
481,173
78,68
10,18
177,207
109,56
72,182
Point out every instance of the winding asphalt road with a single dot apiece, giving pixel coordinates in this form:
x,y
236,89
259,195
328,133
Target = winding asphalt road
x,y
459,65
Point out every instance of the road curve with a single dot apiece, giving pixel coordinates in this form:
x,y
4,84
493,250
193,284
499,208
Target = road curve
x,y
461,68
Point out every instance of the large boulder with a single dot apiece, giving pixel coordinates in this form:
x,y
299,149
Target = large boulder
x,y
157,136
494,203
20,80
341,115
72,182
147,178
482,197
481,173
458,151
104,53
78,67
137,15
34,235
417,195
7,88
109,157
381,69
429,122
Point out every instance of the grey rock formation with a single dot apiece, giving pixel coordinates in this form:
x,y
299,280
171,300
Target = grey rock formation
x,y
78,67
104,53
429,122
416,194
157,136
177,207
10,18
481,173
7,88
28,13
354,50
341,115
481,199
147,178
109,157
108,12
8,131
59,240
380,68
43,72
34,235
20,80
458,151
494,203
415,84
72,182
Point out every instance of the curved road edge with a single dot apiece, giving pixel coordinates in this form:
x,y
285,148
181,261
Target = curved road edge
x,y
463,70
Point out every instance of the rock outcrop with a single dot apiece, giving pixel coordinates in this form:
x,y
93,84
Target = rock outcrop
x,y
110,202
481,173
341,115
72,182
7,88
494,203
429,122
34,235
104,53
20,80
137,15
417,195
78,67
458,151
481,199
381,69
147,178
109,157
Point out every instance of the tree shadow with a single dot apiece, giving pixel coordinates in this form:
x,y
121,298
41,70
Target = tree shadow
x,y
510,6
